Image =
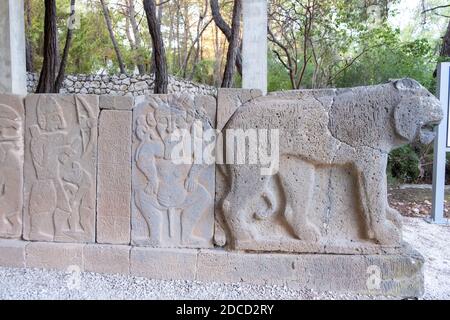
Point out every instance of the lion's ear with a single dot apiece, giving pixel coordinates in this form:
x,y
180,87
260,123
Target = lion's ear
x,y
406,84
406,123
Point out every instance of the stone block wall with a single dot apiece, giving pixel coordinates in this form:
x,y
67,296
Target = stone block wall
x,y
122,84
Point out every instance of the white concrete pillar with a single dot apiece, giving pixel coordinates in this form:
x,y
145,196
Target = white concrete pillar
x,y
254,45
13,78
441,147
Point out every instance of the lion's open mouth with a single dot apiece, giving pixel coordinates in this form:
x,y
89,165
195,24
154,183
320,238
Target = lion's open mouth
x,y
427,133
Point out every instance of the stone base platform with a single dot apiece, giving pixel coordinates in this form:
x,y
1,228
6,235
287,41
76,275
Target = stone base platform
x,y
399,274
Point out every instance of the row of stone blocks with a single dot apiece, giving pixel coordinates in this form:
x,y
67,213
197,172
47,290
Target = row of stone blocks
x,y
142,186
401,273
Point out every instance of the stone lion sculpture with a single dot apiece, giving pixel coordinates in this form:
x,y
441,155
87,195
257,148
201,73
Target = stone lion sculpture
x,y
355,127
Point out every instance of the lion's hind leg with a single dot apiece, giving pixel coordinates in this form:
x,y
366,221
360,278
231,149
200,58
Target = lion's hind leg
x,y
246,184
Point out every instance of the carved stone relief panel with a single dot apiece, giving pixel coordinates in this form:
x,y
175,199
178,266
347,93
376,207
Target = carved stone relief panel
x,y
11,165
60,167
328,192
173,183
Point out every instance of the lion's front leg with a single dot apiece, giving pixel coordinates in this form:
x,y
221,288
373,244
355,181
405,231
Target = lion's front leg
x,y
372,180
298,189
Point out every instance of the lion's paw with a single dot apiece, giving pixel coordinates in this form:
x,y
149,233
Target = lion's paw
x,y
395,217
387,234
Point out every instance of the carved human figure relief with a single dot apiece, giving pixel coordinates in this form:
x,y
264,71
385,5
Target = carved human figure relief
x,y
172,193
11,165
330,192
60,168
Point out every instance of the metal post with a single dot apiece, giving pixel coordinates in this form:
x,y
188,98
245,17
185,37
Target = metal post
x,y
254,45
440,147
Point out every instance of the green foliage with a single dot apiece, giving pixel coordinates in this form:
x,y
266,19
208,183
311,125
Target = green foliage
x,y
403,165
278,79
203,72
395,59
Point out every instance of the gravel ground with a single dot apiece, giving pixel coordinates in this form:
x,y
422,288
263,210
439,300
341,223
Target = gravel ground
x,y
430,240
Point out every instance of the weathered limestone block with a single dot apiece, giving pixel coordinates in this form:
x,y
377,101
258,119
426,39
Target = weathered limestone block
x,y
11,165
157,263
113,259
173,182
58,256
116,102
12,253
114,177
60,168
324,189
399,275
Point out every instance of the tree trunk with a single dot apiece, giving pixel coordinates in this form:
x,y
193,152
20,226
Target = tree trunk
x,y
218,57
226,30
112,36
62,66
178,9
445,50
154,26
233,45
47,77
137,36
29,48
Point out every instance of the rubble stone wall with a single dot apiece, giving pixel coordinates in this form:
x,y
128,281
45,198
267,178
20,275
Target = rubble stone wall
x,y
122,84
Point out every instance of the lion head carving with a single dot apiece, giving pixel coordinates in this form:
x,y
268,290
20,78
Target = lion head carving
x,y
417,112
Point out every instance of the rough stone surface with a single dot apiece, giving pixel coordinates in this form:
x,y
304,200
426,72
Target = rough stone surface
x,y
229,100
60,168
59,256
116,102
121,85
11,165
114,177
106,258
400,274
12,253
208,105
328,191
172,199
